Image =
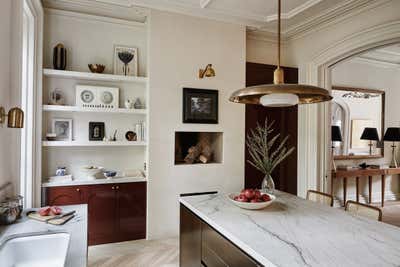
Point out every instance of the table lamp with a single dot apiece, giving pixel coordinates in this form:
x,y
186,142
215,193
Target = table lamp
x,y
370,134
392,134
336,137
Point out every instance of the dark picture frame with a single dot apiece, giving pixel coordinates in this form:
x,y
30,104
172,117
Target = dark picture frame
x,y
200,106
96,131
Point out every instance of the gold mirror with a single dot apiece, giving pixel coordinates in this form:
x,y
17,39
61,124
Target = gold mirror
x,y
359,115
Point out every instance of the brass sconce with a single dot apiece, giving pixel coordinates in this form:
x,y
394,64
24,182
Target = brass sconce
x,y
207,72
15,117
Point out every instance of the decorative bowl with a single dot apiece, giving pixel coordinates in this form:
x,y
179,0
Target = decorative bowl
x,y
109,174
249,205
90,172
96,68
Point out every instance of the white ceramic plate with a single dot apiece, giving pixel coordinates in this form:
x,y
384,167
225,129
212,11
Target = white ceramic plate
x,y
249,205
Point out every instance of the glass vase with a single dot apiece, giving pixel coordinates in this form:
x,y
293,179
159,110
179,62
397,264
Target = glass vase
x,y
268,185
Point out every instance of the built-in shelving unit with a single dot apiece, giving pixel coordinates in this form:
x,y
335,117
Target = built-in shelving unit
x,y
58,108
66,74
91,143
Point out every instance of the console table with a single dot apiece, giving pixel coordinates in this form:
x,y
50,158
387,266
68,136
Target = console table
x,y
359,173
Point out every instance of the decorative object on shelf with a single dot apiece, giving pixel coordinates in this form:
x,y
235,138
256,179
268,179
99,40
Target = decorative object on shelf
x,y
265,155
96,131
60,57
61,171
125,60
139,128
96,68
91,172
130,103
392,134
280,94
63,129
336,137
105,139
56,97
109,174
370,134
200,106
208,71
97,97
15,117
51,136
131,136
114,137
138,104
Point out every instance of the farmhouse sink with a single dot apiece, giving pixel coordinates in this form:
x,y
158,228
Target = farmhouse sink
x,y
35,250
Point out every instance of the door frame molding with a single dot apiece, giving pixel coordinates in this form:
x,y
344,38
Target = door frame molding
x,y
314,123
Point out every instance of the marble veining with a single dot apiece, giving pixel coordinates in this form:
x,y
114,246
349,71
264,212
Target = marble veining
x,y
295,232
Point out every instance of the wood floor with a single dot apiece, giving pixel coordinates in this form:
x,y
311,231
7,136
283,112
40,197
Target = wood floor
x,y
140,253
165,253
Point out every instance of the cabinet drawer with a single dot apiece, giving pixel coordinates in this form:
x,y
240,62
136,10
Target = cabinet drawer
x,y
65,195
219,252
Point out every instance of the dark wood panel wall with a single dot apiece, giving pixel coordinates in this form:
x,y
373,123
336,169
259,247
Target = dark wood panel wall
x,y
285,175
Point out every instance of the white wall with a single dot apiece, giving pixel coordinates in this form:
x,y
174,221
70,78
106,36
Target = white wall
x,y
363,75
179,46
6,172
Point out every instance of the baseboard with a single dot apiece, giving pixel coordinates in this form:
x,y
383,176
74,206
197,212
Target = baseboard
x,y
363,198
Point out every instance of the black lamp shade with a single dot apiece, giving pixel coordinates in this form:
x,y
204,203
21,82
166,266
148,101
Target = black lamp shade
x,y
336,135
392,134
370,134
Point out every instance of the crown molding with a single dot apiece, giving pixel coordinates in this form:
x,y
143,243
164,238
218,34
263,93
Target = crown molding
x,y
83,16
294,12
375,62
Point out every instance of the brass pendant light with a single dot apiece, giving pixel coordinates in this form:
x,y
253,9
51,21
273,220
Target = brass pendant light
x,y
280,94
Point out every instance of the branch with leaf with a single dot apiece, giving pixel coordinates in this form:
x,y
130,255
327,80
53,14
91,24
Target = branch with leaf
x,y
260,143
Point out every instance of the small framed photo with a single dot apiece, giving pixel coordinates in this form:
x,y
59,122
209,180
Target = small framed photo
x,y
200,106
96,131
63,129
125,60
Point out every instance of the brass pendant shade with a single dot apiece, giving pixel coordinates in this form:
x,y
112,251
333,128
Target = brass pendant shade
x,y
307,94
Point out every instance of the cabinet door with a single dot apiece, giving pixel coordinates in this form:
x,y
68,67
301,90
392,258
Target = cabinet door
x,y
131,211
189,239
102,213
65,195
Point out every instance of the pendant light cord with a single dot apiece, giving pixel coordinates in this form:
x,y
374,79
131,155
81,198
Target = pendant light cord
x,y
279,34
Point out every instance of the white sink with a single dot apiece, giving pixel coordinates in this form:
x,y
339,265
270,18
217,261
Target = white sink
x,y
35,250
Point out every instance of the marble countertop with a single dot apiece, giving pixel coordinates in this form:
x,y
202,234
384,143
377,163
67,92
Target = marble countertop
x,y
77,227
296,232
97,181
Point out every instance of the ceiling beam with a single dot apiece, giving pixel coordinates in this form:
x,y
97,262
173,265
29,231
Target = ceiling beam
x,y
204,3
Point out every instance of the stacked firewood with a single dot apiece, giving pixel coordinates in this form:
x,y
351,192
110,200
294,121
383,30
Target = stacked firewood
x,y
202,152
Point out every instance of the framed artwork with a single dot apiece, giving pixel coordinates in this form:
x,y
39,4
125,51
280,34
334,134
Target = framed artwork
x,y
125,60
62,128
96,131
200,106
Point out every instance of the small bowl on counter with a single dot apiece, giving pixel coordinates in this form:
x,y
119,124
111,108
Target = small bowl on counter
x,y
109,174
91,172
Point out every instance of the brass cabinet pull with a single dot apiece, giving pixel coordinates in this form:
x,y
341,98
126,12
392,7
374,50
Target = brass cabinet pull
x,y
78,190
117,187
113,187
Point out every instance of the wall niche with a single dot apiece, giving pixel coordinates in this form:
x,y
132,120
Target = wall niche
x,y
198,147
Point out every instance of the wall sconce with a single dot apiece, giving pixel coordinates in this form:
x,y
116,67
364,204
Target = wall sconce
x,y
15,117
207,72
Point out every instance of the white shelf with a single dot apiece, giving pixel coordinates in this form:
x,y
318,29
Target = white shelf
x,y
91,143
96,181
79,109
66,74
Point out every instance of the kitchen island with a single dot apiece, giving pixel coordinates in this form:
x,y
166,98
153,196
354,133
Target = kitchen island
x,y
290,232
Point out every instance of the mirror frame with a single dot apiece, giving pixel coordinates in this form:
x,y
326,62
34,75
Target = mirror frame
x,y
372,91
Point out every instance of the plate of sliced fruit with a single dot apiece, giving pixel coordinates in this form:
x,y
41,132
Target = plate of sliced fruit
x,y
251,199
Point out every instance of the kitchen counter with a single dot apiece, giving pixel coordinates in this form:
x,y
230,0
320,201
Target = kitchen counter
x,y
77,227
97,181
296,232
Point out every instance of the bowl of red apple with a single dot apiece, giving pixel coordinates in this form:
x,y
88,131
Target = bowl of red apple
x,y
251,199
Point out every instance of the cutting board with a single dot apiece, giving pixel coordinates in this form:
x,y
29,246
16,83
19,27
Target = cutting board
x,y
51,219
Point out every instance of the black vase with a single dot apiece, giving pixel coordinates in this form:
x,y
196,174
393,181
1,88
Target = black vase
x,y
59,57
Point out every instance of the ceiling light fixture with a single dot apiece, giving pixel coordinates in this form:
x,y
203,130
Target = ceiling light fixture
x,y
280,94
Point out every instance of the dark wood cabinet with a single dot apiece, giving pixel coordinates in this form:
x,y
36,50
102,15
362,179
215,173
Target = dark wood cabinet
x,y
202,245
117,212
